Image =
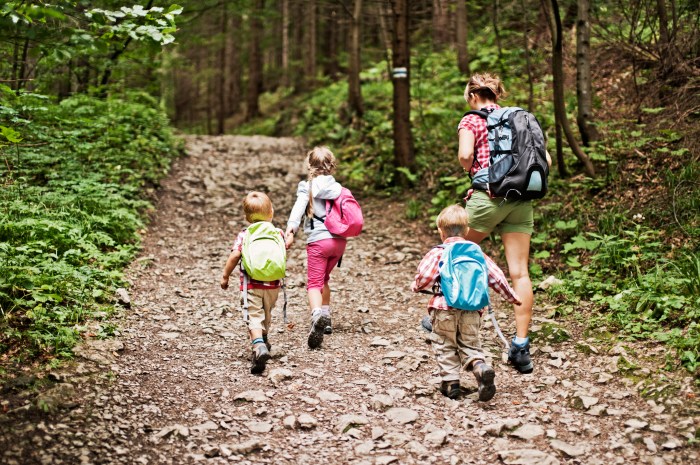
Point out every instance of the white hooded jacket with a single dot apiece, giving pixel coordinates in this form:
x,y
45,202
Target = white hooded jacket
x,y
324,188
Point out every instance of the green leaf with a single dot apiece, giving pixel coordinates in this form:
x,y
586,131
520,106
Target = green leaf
x,y
10,134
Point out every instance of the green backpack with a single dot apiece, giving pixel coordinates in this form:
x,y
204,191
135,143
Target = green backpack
x,y
264,254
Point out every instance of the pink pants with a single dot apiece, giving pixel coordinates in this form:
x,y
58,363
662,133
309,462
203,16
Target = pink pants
x,y
322,256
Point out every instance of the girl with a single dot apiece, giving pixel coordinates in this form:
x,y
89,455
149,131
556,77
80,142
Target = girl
x,y
513,219
323,249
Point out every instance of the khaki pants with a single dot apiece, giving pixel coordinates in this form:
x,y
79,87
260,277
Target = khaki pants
x,y
260,304
455,340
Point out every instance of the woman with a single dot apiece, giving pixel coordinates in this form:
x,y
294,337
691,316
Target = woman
x,y
513,219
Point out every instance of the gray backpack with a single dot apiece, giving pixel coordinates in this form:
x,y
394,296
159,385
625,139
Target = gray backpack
x,y
518,166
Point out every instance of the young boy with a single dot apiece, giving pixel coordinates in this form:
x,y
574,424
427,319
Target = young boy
x,y
262,295
455,337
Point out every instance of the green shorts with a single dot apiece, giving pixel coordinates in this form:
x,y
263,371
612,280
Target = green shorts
x,y
487,215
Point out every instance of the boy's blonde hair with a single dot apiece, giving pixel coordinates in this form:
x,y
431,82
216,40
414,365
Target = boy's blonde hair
x,y
319,161
257,207
453,221
487,86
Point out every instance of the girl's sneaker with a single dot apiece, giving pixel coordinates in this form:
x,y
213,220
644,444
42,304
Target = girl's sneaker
x,y
260,357
319,320
267,343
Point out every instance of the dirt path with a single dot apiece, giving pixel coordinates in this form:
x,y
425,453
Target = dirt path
x,y
175,386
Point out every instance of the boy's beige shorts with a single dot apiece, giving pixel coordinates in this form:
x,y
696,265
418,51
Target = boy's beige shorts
x,y
260,305
455,340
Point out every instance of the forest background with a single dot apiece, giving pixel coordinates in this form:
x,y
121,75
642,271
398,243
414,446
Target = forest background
x,y
92,93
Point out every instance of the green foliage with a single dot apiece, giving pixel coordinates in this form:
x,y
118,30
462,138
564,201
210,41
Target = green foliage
x,y
71,207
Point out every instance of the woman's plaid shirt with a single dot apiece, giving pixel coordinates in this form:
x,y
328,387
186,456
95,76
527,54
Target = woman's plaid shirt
x,y
429,272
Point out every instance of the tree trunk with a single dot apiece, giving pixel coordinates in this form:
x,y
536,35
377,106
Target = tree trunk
x,y
495,18
667,60
255,64
403,140
23,65
330,64
234,65
310,45
221,87
559,144
354,89
386,36
528,61
440,23
584,91
461,37
285,43
558,77
15,65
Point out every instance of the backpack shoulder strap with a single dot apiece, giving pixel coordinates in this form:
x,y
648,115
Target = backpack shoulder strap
x,y
480,113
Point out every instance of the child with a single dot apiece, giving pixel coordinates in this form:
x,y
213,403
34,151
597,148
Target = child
x,y
323,249
261,295
455,337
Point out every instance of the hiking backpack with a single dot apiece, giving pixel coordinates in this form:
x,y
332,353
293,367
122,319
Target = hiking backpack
x,y
343,215
464,276
518,166
264,255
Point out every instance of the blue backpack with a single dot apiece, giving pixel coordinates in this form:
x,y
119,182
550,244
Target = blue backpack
x,y
464,276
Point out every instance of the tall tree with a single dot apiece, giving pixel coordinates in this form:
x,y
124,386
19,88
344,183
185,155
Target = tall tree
x,y
285,43
584,90
401,75
235,65
461,36
528,60
254,62
330,60
440,23
310,44
354,90
558,77
222,89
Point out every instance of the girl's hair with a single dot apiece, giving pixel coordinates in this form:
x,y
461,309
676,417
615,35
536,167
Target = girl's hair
x,y
257,207
486,86
319,161
453,221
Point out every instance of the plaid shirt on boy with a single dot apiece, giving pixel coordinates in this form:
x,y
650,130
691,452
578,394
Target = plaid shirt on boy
x,y
477,125
252,283
429,272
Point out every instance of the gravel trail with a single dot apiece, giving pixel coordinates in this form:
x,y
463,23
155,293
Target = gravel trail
x,y
175,386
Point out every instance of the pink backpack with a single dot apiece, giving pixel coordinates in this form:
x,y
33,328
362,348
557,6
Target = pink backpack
x,y
344,215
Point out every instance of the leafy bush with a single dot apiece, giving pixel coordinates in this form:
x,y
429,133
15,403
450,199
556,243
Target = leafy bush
x,y
73,183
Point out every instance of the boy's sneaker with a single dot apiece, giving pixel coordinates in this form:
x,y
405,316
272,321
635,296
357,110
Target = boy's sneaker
x,y
267,343
426,324
260,357
519,357
484,375
450,389
319,321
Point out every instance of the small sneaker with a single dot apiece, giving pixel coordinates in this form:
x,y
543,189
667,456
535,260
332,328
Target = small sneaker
x,y
426,324
329,327
519,357
267,343
319,321
484,375
450,389
260,357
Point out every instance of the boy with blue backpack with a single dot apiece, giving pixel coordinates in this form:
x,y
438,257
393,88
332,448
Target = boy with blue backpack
x,y
261,251
459,274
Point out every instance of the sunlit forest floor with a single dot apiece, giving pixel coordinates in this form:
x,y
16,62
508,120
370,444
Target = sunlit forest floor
x,y
175,386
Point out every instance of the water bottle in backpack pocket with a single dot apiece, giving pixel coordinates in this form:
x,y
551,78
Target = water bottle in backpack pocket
x,y
464,276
